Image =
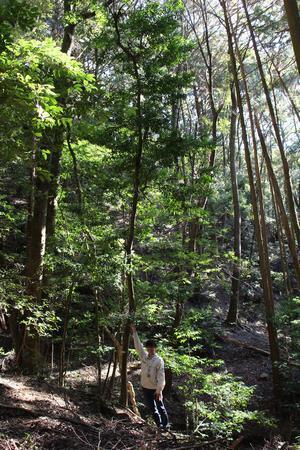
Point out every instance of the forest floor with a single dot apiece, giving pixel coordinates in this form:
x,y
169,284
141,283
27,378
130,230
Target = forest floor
x,y
36,414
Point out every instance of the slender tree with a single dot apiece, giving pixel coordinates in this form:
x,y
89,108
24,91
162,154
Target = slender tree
x,y
261,242
141,132
153,82
293,18
286,169
279,203
232,315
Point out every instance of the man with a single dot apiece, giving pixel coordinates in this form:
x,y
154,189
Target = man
x,y
152,379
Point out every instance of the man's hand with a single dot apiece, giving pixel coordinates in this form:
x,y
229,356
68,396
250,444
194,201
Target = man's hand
x,y
158,396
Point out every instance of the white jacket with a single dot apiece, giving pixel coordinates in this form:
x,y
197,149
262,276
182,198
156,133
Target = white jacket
x,y
152,370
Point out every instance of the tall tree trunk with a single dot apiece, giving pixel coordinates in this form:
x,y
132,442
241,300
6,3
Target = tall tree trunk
x,y
128,251
284,86
41,215
141,136
259,231
16,327
286,170
99,342
62,359
279,202
207,56
293,18
232,315
58,132
29,356
54,169
283,256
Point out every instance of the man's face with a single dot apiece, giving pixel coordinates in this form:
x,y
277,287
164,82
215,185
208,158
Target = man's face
x,y
151,351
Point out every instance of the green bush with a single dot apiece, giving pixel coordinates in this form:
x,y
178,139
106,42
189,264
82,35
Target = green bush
x,y
217,402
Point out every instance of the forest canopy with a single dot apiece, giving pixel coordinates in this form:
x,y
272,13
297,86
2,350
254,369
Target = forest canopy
x,y
150,175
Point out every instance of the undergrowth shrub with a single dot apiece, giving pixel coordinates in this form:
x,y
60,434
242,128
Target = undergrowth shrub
x,y
216,401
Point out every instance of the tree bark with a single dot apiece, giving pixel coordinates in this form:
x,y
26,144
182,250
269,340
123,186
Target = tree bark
x,y
62,360
283,256
40,225
99,342
28,353
207,56
140,136
58,132
279,202
258,214
286,170
75,170
232,315
178,314
293,18
57,135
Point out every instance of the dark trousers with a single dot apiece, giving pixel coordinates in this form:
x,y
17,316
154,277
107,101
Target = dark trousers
x,y
156,407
